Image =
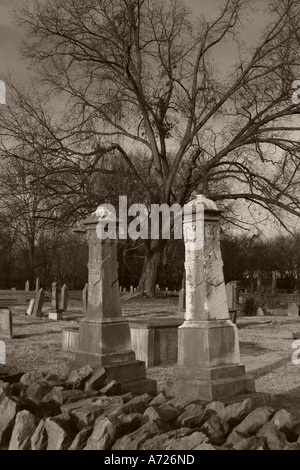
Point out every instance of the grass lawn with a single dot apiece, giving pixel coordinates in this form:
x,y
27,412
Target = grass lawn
x,y
266,348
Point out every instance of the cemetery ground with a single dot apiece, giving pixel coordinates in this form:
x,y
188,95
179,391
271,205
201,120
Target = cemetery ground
x,y
265,343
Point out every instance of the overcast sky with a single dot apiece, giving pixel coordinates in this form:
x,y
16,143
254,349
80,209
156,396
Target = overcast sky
x,y
10,36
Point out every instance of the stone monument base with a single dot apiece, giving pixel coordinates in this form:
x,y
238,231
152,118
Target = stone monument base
x,y
130,375
209,362
210,384
108,344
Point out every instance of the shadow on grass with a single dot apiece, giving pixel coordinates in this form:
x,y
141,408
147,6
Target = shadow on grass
x,y
252,349
268,369
32,335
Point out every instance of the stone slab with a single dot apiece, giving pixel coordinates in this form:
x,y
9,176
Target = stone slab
x,y
210,390
56,316
70,340
6,325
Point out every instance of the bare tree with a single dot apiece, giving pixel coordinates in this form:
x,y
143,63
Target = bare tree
x,y
140,74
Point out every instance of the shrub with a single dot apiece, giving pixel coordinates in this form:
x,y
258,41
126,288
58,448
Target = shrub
x,y
249,307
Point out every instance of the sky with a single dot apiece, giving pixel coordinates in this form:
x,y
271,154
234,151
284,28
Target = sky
x,y
11,37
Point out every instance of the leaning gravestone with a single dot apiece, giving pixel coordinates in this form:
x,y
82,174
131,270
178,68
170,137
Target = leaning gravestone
x,y
209,363
104,335
38,304
6,325
293,310
30,308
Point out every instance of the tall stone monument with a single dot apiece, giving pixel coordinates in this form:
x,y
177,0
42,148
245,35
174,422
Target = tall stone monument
x,y
104,335
209,364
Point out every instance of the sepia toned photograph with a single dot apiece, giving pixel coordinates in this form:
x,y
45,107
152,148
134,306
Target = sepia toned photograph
x,y
149,227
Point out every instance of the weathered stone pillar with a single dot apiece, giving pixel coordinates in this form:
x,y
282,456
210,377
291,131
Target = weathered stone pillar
x,y
209,365
56,312
104,335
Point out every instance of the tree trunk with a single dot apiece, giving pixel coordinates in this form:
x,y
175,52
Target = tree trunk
x,y
153,252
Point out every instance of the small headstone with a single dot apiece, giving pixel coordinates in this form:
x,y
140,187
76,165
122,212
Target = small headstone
x,y
38,304
182,294
85,298
131,289
157,288
260,312
134,290
64,298
293,310
30,307
230,295
2,353
6,326
37,284
13,289
27,286
56,316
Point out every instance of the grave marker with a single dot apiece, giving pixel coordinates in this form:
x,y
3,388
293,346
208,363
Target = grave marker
x,y
104,336
6,325
30,308
56,313
85,298
64,298
38,304
209,364
37,284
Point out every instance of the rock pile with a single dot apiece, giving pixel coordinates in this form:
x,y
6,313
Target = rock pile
x,y
84,412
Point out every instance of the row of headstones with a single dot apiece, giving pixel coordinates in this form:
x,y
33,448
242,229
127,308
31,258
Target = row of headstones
x,y
37,285
157,290
57,308
35,309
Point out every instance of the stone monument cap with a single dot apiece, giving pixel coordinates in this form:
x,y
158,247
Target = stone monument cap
x,y
98,215
209,205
